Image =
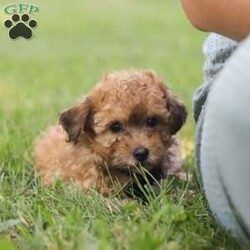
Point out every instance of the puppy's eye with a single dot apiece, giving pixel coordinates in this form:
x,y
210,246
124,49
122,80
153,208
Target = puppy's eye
x,y
152,122
115,127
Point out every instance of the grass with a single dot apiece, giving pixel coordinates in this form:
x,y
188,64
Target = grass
x,y
74,44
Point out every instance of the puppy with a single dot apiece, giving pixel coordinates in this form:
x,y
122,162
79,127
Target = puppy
x,y
127,122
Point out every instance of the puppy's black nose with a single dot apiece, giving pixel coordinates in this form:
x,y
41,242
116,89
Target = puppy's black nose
x,y
141,154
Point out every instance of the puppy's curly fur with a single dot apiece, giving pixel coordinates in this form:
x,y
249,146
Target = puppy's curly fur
x,y
129,119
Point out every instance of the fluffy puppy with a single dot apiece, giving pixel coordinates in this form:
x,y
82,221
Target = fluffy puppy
x,y
127,122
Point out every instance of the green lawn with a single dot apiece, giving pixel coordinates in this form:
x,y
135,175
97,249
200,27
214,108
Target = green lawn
x,y
76,42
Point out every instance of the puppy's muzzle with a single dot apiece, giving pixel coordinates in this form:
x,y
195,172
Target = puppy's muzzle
x,y
141,154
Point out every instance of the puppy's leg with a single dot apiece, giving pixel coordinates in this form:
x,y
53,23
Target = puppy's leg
x,y
173,163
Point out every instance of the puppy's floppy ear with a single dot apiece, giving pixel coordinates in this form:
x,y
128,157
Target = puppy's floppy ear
x,y
74,120
178,113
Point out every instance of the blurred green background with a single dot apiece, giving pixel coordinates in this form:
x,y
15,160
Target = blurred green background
x,y
77,41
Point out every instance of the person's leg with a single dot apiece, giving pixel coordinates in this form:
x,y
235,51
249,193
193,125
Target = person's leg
x,y
217,50
224,145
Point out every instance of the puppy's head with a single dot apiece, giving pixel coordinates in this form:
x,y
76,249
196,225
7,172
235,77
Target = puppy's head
x,y
131,116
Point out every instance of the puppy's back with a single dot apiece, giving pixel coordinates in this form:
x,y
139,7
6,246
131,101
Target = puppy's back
x,y
49,149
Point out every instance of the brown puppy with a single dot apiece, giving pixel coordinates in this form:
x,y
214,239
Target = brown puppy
x,y
128,120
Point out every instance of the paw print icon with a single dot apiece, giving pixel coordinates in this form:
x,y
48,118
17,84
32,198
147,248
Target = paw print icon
x,y
20,26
